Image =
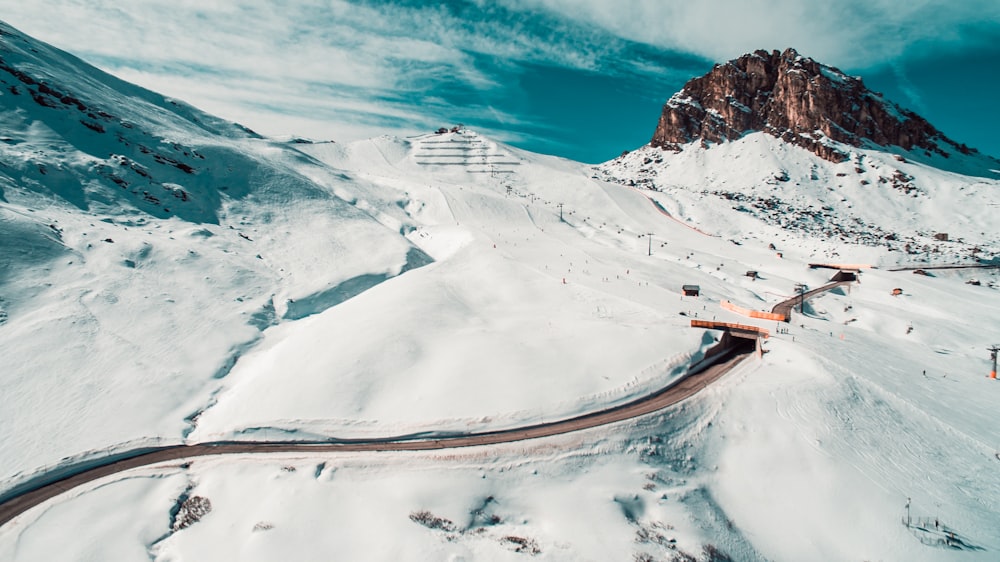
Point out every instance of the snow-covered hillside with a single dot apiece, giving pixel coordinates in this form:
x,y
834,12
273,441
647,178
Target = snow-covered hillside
x,y
447,283
145,246
495,332
782,192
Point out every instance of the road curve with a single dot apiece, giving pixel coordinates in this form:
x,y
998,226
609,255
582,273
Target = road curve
x,y
733,351
785,307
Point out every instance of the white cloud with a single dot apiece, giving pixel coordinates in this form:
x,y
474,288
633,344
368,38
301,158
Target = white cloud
x,y
318,66
849,33
314,66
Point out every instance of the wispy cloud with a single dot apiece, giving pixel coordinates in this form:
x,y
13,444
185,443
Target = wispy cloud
x,y
348,68
335,62
318,68
850,33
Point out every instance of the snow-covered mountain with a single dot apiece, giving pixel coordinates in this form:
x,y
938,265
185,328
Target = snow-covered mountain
x,y
816,157
238,288
805,103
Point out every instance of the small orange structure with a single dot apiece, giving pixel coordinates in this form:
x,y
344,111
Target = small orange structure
x,y
897,291
738,328
753,313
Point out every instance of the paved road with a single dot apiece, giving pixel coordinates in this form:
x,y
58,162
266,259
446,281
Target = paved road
x,y
953,266
785,307
23,500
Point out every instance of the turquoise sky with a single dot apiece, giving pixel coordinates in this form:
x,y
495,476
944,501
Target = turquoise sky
x,y
584,79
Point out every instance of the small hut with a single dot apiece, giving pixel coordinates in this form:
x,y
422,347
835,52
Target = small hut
x,y
846,275
691,290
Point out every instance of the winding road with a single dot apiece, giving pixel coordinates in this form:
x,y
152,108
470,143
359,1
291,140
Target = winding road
x,y
785,307
727,354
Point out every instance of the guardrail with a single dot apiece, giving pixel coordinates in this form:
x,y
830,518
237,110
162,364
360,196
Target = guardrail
x,y
857,266
775,316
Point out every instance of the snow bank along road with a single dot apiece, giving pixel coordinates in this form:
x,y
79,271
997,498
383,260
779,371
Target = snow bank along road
x,y
720,359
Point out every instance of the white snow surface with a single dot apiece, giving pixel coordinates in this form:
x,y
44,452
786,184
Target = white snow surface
x,y
488,336
401,286
873,199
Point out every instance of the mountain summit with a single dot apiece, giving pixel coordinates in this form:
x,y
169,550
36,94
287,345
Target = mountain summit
x,y
798,100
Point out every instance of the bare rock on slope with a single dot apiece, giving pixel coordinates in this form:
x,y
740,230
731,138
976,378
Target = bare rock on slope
x,y
797,100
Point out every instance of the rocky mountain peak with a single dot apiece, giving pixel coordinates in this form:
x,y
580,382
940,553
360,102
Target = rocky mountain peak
x,y
797,100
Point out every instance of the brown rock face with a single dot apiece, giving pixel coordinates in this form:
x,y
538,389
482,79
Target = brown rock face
x,y
797,100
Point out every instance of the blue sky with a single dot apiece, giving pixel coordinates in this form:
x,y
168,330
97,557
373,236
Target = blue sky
x,y
584,79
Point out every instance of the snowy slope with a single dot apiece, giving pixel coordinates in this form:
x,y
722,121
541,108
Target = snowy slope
x,y
874,199
145,246
490,335
828,430
276,308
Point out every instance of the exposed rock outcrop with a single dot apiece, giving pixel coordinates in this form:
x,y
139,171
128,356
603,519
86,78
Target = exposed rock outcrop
x,y
797,100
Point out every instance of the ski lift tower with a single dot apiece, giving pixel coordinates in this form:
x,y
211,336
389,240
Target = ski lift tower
x,y
800,288
993,357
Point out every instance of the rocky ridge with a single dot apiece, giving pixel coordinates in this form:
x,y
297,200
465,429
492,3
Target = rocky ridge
x,y
798,100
